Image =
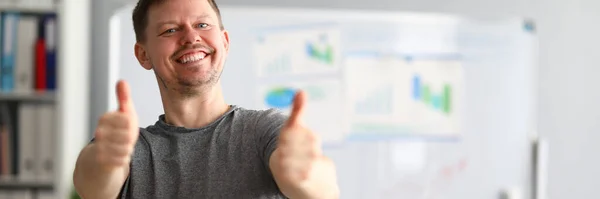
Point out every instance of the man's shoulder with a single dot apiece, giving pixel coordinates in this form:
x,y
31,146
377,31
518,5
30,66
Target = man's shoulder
x,y
270,114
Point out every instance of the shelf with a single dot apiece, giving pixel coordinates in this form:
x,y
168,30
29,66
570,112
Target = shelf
x,y
24,185
28,96
28,8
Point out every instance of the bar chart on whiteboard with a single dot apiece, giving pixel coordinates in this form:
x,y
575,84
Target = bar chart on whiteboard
x,y
298,52
404,95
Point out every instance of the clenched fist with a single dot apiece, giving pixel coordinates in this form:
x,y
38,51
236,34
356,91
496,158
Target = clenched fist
x,y
117,132
299,166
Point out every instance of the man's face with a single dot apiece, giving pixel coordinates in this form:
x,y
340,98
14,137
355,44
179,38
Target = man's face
x,y
184,45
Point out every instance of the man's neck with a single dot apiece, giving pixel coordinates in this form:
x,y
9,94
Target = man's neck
x,y
194,112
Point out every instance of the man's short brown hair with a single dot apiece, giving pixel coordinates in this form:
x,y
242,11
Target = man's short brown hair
x,y
140,16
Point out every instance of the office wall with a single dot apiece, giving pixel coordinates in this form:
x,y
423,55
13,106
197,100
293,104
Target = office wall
x,y
568,110
100,93
468,7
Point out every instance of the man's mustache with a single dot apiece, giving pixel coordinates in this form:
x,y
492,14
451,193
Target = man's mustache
x,y
187,47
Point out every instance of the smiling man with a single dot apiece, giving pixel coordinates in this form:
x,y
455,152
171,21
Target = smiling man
x,y
201,147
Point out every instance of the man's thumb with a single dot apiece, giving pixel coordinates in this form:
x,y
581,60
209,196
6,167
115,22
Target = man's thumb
x,y
124,97
297,109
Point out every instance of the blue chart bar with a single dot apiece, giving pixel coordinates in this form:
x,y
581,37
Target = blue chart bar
x,y
417,87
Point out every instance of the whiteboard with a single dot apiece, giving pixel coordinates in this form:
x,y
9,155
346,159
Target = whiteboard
x,y
475,152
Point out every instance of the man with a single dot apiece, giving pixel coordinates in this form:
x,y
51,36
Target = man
x,y
200,147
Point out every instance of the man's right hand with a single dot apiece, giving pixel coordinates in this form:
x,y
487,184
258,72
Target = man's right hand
x,y
103,166
117,132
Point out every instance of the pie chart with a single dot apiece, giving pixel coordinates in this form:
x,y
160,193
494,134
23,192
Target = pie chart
x,y
280,97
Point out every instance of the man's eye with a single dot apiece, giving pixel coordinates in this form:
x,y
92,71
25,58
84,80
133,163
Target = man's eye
x,y
202,25
172,30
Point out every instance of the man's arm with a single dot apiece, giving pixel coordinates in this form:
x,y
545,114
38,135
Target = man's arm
x,y
298,165
103,166
92,181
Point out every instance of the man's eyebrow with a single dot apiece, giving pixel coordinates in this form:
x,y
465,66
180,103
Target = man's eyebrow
x,y
173,22
162,23
203,16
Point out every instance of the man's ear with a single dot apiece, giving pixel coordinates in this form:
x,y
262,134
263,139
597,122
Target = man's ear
x,y
226,40
142,56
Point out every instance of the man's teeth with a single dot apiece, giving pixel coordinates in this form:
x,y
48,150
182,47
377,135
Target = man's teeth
x,y
191,58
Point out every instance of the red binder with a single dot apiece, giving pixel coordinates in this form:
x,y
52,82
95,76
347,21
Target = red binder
x,y
40,65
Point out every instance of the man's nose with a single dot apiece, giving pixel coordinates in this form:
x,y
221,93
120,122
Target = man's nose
x,y
190,36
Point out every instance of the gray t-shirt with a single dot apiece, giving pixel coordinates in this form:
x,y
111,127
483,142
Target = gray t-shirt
x,y
225,159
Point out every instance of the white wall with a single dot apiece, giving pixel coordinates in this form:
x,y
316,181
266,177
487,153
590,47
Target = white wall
x,y
100,93
568,110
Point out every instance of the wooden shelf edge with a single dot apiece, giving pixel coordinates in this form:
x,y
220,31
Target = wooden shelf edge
x,y
25,184
28,8
42,96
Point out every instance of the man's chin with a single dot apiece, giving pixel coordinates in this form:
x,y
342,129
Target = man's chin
x,y
197,82
189,88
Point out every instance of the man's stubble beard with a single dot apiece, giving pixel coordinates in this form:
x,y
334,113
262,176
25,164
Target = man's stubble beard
x,y
190,88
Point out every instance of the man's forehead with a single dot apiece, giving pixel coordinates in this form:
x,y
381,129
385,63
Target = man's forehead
x,y
200,5
160,12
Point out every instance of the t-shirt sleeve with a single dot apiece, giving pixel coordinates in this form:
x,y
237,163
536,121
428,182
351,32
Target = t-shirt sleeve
x,y
268,127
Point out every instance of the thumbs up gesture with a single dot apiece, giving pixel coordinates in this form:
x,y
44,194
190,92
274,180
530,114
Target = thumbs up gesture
x,y
117,132
299,166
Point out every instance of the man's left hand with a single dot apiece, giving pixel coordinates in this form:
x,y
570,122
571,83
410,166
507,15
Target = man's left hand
x,y
298,164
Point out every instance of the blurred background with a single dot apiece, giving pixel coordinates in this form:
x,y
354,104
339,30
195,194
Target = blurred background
x,y
429,99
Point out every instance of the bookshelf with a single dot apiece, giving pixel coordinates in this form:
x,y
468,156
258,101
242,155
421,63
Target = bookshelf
x,y
56,141
33,188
